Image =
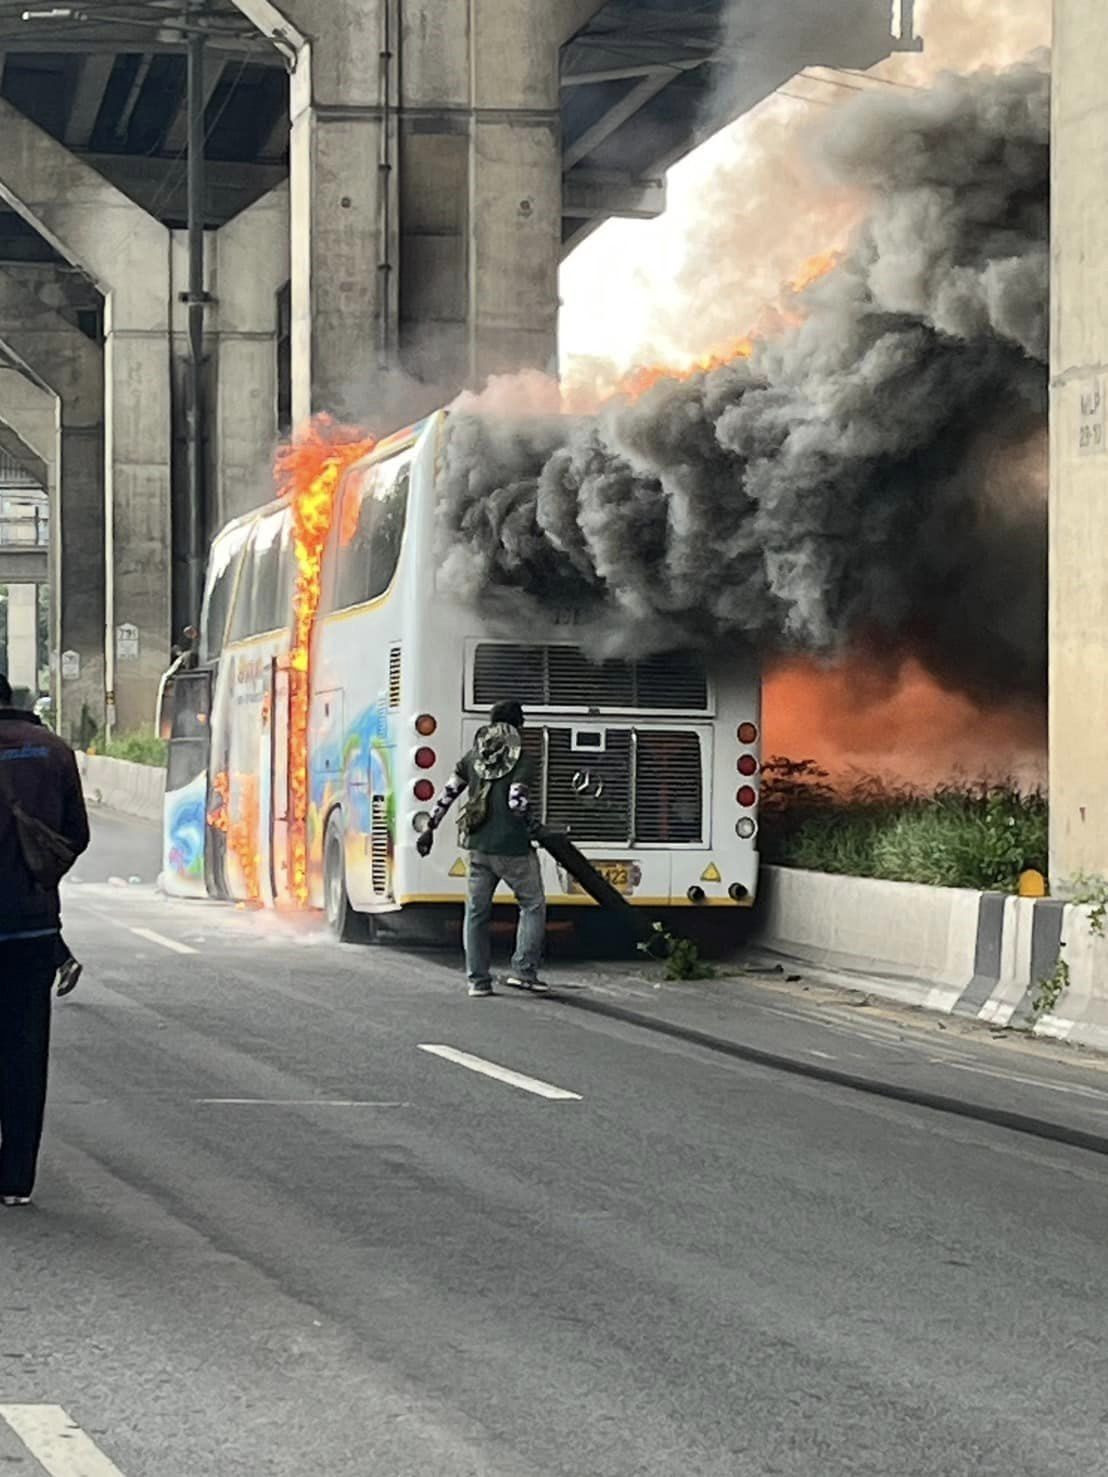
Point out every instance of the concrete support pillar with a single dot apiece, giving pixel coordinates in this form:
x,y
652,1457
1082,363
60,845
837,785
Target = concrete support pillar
x,y
425,189
127,254
1079,449
250,269
23,638
70,366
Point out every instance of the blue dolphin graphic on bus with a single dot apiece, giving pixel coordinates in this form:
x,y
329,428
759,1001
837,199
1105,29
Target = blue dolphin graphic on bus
x,y
186,831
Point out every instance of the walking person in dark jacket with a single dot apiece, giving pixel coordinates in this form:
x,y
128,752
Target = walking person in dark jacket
x,y
496,830
43,829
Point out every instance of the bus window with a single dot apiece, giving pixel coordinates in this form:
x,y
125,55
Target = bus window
x,y
222,569
268,608
242,613
371,533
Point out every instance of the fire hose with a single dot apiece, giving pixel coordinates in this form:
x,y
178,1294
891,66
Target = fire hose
x,y
558,845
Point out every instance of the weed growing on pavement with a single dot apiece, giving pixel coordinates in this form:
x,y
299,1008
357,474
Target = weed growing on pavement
x,y
975,836
1092,893
140,747
1051,989
682,957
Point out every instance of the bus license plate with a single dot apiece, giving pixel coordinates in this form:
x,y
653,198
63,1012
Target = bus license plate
x,y
623,876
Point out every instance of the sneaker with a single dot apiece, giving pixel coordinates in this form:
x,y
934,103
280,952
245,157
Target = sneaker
x,y
520,982
14,1200
478,992
68,976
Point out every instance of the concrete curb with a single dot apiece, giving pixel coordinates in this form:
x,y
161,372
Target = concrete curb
x,y
133,789
946,949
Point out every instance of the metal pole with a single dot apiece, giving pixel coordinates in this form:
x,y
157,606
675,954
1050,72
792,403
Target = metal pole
x,y
195,520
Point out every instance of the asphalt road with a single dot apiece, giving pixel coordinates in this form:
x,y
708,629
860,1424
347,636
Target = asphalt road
x,y
274,1234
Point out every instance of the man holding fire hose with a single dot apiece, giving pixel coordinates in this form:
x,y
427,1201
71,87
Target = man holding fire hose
x,y
496,830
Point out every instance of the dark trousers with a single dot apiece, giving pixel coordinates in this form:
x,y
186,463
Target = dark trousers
x,y
27,968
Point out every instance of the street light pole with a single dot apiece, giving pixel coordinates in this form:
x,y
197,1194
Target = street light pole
x,y
196,299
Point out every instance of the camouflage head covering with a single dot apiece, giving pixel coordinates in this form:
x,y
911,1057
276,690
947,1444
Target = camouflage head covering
x,y
496,750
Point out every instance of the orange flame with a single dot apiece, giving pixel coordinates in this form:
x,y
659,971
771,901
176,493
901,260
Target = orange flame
x,y
309,471
242,837
218,815
644,377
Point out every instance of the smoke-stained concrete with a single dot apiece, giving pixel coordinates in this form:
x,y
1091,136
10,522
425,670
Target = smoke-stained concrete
x,y
829,488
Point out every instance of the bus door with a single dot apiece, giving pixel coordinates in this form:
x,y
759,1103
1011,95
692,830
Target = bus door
x,y
279,781
185,809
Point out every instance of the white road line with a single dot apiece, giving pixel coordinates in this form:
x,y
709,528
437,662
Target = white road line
x,y
57,1443
823,1055
502,1074
159,938
295,1102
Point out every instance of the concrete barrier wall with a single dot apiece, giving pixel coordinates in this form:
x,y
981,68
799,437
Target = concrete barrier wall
x,y
134,789
969,953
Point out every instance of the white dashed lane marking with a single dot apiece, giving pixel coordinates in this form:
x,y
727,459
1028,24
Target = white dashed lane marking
x,y
153,937
56,1442
502,1074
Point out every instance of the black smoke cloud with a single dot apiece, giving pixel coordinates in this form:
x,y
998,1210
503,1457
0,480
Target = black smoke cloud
x,y
862,478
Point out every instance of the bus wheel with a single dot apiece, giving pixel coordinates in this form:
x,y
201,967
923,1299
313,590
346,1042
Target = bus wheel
x,y
343,921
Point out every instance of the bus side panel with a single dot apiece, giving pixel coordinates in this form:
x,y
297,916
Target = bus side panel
x,y
183,828
242,767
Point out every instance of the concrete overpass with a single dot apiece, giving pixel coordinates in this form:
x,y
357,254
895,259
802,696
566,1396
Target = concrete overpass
x,y
391,185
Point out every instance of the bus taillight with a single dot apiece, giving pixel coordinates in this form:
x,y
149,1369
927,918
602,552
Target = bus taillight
x,y
747,795
425,725
748,733
748,765
423,790
425,758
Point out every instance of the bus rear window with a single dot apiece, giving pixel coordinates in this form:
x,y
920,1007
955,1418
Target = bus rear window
x,y
371,532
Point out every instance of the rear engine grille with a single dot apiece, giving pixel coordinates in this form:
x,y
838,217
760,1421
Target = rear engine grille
x,y
379,846
646,788
563,677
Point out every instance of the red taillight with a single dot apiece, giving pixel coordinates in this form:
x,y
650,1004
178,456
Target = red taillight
x,y
425,758
748,733
748,765
747,795
425,725
423,789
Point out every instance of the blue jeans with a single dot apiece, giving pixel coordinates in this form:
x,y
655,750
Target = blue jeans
x,y
523,876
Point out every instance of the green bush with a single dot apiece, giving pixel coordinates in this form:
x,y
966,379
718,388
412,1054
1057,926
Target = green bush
x,y
141,747
977,836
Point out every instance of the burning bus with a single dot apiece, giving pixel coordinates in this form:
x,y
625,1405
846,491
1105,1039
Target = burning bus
x,y
338,678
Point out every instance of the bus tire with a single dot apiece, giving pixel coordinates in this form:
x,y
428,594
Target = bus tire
x,y
347,925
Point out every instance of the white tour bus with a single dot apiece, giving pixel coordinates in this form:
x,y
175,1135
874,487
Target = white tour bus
x,y
651,766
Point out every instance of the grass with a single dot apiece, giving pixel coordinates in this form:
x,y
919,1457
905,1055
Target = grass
x,y
976,836
141,747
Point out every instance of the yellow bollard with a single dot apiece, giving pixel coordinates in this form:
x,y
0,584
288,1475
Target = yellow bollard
x,y
1032,884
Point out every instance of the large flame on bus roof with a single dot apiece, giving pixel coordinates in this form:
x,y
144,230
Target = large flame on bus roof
x,y
309,471
787,313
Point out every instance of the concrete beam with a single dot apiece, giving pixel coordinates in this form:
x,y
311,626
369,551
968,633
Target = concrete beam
x,y
26,456
26,566
87,97
620,113
588,194
127,254
177,135
61,358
